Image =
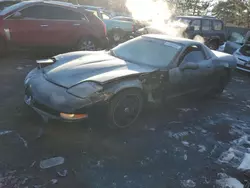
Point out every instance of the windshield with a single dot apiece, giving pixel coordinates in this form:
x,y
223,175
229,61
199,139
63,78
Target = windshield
x,y
148,51
13,7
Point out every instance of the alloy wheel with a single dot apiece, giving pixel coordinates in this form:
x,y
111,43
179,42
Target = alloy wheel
x,y
126,111
86,45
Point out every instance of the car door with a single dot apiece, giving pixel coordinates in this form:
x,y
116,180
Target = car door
x,y
206,29
65,26
26,28
190,80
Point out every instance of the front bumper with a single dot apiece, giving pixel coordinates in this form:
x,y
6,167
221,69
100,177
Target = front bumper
x,y
49,100
243,68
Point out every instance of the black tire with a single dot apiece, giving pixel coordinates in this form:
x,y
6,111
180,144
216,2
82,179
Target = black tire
x,y
218,90
124,108
86,44
213,45
116,36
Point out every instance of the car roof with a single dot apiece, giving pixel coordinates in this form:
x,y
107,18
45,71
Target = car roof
x,y
60,3
198,17
183,41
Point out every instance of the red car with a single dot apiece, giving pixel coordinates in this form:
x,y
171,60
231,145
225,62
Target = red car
x,y
51,24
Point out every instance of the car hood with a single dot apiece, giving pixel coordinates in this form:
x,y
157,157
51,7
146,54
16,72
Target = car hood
x,y
98,67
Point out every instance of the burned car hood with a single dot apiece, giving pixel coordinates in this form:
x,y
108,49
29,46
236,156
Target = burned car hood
x,y
99,67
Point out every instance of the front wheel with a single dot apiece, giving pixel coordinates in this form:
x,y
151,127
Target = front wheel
x,y
219,88
86,45
125,108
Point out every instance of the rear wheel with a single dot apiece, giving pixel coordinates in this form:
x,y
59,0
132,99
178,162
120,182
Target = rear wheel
x,y
125,108
218,90
116,36
86,45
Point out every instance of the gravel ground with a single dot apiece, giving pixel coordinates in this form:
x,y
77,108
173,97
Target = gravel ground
x,y
185,144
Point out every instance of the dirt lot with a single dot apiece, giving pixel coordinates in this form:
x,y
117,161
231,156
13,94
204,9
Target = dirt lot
x,y
185,144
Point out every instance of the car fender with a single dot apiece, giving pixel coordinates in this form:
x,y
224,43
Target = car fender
x,y
121,85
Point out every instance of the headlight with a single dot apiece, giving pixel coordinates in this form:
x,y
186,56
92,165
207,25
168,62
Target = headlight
x,y
85,89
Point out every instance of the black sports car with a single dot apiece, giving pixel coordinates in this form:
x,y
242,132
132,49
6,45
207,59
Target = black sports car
x,y
147,69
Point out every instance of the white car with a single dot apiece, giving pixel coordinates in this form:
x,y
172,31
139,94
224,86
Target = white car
x,y
243,56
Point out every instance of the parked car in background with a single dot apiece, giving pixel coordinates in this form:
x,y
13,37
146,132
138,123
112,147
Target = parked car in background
x,y
210,28
116,29
50,24
138,24
6,3
147,30
243,56
234,42
117,83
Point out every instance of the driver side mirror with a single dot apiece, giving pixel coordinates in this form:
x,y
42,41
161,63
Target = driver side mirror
x,y
189,65
17,15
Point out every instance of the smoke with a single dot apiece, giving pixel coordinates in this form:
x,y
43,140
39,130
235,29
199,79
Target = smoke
x,y
159,14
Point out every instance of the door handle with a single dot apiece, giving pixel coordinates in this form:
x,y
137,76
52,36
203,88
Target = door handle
x,y
44,25
76,24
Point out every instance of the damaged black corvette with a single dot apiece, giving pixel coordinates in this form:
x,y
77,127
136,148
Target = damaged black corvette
x,y
147,69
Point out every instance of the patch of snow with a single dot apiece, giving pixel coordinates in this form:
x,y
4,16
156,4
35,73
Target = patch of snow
x,y
54,181
188,183
229,183
226,157
178,135
202,148
244,140
4,132
185,143
245,164
48,163
185,157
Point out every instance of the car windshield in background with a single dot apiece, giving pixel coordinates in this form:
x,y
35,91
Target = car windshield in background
x,y
13,7
237,38
148,51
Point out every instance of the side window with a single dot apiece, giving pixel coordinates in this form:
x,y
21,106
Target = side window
x,y
194,54
217,25
196,24
33,12
206,25
237,38
57,13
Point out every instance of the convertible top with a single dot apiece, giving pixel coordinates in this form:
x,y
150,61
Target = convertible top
x,y
183,41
